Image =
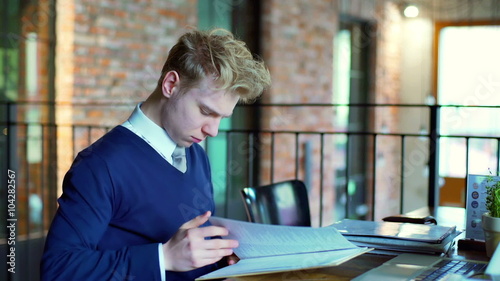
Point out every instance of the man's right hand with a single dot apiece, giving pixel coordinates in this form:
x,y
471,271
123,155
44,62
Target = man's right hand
x,y
188,249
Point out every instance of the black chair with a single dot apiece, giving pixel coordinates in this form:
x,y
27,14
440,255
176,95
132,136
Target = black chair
x,y
283,203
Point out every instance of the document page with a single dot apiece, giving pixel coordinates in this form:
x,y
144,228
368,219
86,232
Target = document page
x,y
285,263
261,240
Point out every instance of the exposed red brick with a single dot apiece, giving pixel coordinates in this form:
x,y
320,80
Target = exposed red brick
x,y
171,14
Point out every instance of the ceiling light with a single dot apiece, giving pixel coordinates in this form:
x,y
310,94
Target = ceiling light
x,y
411,11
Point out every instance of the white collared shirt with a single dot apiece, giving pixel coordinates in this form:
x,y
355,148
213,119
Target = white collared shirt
x,y
158,139
149,131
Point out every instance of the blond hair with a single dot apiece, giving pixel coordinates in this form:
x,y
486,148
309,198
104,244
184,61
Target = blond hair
x,y
216,52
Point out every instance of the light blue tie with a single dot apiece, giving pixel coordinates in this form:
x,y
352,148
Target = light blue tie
x,y
179,158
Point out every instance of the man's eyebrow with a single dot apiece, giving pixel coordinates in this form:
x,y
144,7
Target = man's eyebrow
x,y
213,111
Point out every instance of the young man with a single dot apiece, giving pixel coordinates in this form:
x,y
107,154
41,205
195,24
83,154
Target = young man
x,y
129,210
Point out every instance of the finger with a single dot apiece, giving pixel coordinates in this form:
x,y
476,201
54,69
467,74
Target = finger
x,y
210,231
214,254
202,258
197,221
214,244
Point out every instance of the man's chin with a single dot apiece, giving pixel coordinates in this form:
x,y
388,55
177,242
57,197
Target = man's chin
x,y
186,144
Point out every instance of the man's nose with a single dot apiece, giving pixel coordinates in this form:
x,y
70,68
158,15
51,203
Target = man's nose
x,y
211,128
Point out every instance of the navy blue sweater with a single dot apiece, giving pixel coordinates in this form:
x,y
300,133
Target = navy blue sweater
x,y
120,199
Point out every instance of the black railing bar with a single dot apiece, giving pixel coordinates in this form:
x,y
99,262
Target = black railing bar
x,y
498,157
257,154
321,173
364,105
14,36
464,106
228,175
89,135
433,166
27,180
272,157
297,155
45,124
52,191
58,125
469,136
27,193
402,173
42,176
374,176
467,156
73,139
251,158
347,172
338,105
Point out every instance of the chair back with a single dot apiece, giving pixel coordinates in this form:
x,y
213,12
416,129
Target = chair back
x,y
283,203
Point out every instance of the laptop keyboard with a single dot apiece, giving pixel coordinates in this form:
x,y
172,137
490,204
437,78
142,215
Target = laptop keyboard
x,y
446,267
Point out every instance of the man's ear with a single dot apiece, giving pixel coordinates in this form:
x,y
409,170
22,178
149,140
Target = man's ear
x,y
170,83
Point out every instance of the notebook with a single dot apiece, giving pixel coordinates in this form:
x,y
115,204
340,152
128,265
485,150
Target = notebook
x,y
394,238
427,267
395,230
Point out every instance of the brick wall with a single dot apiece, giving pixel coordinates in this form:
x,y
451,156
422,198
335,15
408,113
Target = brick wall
x,y
297,46
120,47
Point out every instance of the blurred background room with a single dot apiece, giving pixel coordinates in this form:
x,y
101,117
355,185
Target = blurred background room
x,y
380,106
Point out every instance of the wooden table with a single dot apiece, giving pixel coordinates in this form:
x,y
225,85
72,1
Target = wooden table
x,y
447,216
363,263
345,271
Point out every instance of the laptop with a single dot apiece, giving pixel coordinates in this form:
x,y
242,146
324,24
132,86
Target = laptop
x,y
421,267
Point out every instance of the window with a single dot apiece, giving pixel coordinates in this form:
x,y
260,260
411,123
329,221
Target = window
x,y
468,75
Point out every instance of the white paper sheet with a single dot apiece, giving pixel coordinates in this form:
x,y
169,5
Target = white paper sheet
x,y
260,240
285,263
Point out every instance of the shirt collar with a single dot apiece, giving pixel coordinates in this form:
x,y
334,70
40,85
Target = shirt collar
x,y
151,132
